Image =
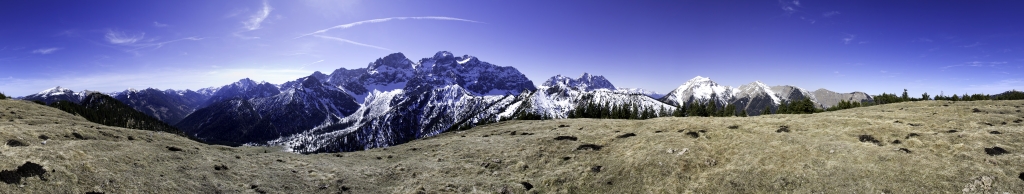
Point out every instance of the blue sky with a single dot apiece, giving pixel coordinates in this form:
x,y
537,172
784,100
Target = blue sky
x,y
871,46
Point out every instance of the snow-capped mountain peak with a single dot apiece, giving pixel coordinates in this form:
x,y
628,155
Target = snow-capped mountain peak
x,y
467,59
244,83
650,93
55,91
757,88
442,54
586,82
699,88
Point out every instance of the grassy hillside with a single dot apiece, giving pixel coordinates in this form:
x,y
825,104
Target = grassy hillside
x,y
914,147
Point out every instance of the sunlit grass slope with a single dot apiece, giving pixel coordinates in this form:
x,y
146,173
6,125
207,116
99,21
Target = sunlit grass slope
x,y
914,147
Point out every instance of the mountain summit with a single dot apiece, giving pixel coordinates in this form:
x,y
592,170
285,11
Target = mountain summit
x,y
699,89
586,82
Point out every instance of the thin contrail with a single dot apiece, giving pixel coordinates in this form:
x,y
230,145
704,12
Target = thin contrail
x,y
349,25
351,42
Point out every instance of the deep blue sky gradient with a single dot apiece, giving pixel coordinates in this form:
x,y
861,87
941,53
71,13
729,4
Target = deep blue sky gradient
x,y
871,46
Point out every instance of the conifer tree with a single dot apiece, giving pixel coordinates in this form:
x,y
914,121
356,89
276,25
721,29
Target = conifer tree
x,y
693,109
730,110
712,109
905,96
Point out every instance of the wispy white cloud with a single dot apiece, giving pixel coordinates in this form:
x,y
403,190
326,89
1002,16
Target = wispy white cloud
x,y
123,38
304,66
977,64
349,25
132,43
829,14
46,50
350,42
922,39
159,25
849,38
789,6
157,45
254,21
973,45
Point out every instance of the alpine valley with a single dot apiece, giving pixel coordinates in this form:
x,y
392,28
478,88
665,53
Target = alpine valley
x,y
395,100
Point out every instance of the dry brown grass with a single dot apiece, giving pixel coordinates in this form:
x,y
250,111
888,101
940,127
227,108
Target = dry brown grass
x,y
821,153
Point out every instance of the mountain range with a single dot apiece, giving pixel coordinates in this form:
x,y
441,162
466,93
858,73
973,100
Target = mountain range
x,y
395,100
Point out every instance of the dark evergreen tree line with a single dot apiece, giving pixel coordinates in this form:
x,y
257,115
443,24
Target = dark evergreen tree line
x,y
1010,95
843,104
606,110
105,110
804,106
965,97
708,108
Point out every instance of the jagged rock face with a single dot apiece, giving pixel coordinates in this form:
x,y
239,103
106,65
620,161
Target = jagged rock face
x,y
649,93
828,98
168,106
443,93
243,89
793,93
558,102
477,77
586,82
398,117
257,120
56,94
754,97
700,89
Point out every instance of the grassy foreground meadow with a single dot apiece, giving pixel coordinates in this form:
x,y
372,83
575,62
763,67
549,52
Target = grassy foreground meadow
x,y
912,147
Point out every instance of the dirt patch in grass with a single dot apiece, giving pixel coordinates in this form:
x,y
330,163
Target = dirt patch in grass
x,y
626,135
28,169
869,139
994,151
527,185
78,136
220,167
782,129
911,135
589,147
173,149
16,143
693,134
570,138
